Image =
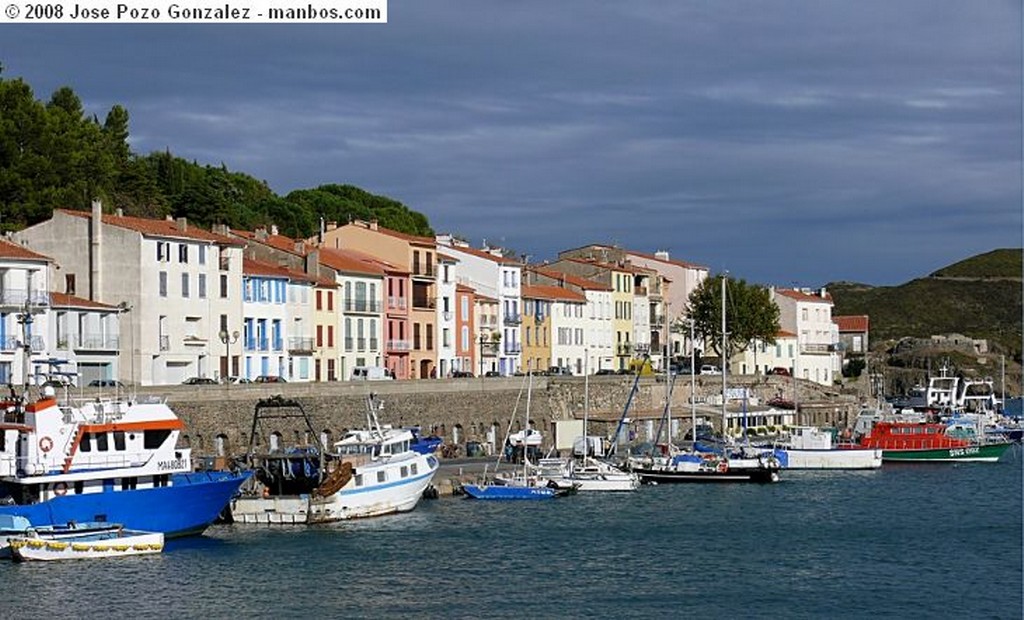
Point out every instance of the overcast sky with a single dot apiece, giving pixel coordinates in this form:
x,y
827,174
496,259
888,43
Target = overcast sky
x,y
788,142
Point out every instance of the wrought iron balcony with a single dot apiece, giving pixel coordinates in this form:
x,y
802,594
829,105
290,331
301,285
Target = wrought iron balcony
x,y
513,319
397,303
623,348
513,348
18,297
371,306
399,345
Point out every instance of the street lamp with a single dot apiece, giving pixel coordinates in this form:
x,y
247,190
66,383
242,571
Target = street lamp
x,y
228,340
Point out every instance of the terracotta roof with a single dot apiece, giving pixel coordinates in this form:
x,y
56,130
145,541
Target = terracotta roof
x,y
556,293
669,261
487,255
389,268
158,228
802,296
415,239
854,323
442,256
571,279
15,251
784,334
349,261
251,267
610,266
462,288
486,299
63,300
278,242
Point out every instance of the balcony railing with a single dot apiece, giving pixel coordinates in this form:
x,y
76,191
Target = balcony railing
x,y
398,345
360,344
397,303
513,319
363,305
423,271
350,344
488,321
623,348
97,342
11,343
513,348
640,291
300,343
165,343
817,348
424,302
374,344
18,297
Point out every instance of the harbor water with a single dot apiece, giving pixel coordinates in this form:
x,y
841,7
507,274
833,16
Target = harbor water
x,y
905,541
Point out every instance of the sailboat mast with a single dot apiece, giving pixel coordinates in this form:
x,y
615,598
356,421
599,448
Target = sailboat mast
x,y
526,427
725,363
586,403
693,387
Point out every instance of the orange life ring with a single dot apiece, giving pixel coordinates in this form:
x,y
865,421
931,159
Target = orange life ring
x,y
45,444
723,467
60,488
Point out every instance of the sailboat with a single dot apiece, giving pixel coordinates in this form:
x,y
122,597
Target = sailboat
x,y
583,469
723,463
527,484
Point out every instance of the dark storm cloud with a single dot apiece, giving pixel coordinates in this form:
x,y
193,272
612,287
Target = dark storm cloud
x,y
783,141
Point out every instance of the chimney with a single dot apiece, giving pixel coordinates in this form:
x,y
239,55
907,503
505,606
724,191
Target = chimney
x,y
169,218
182,224
331,226
260,233
823,293
222,229
300,247
273,229
119,212
373,224
661,255
96,251
313,263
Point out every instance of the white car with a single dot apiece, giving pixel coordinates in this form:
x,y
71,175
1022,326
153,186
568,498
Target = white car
x,y
708,369
236,380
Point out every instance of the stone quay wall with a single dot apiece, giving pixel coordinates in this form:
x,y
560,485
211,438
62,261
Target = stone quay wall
x,y
472,406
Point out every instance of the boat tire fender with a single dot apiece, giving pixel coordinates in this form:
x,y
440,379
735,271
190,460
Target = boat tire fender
x,y
723,467
60,488
45,444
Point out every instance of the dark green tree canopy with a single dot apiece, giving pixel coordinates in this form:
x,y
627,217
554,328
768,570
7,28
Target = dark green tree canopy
x,y
57,156
750,314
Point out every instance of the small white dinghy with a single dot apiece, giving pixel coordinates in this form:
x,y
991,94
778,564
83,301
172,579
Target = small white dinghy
x,y
113,543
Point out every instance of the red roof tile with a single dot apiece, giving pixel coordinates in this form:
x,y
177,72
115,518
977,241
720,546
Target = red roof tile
x,y
349,261
487,255
158,228
802,296
15,251
414,239
63,300
571,279
854,323
556,293
251,267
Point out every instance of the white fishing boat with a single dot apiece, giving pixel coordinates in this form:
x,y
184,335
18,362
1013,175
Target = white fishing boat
x,y
369,472
110,542
810,447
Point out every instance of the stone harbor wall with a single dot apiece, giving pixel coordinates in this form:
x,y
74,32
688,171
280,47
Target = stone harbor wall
x,y
219,419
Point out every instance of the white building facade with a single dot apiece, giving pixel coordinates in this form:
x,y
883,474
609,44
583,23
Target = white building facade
x,y
808,314
24,311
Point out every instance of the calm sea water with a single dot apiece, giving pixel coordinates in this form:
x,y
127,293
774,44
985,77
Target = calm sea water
x,y
913,541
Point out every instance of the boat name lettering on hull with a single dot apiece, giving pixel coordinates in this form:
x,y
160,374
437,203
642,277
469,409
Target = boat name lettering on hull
x,y
168,465
964,451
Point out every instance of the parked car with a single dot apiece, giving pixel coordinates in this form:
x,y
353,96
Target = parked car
x,y
780,371
270,379
605,371
461,374
199,381
236,380
492,373
560,371
709,369
106,383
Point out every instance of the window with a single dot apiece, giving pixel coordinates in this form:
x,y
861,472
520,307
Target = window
x,y
163,251
382,476
69,283
86,445
202,255
330,335
184,285
163,284
182,253
319,300
202,285
102,443
319,336
359,480
151,440
330,301
223,286
413,468
405,471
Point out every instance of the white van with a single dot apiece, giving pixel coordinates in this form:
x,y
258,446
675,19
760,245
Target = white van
x,y
371,373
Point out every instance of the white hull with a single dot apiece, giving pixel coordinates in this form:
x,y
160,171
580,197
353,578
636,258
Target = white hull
x,y
39,549
606,483
831,459
354,501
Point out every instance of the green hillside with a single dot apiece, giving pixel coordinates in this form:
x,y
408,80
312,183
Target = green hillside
x,y
55,154
979,297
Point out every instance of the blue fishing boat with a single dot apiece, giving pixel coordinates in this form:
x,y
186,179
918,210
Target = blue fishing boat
x,y
105,461
509,492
